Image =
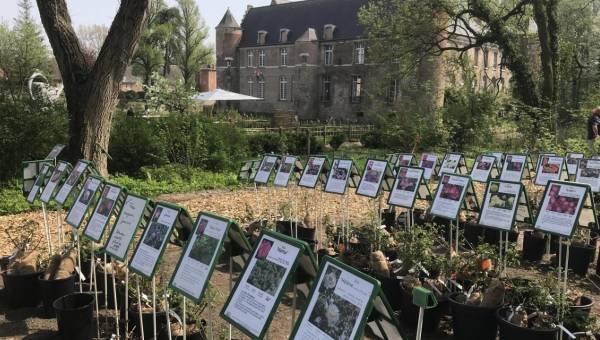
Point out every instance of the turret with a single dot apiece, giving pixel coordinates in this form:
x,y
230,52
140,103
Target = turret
x,y
228,36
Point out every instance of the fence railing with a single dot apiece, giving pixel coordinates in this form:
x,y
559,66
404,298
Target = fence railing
x,y
353,132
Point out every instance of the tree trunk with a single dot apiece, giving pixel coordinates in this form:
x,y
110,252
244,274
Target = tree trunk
x,y
92,87
546,55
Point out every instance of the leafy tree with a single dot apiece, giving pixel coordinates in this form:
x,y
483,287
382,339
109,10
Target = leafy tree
x,y
22,51
191,53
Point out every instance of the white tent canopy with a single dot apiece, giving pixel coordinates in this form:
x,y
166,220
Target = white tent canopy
x,y
221,95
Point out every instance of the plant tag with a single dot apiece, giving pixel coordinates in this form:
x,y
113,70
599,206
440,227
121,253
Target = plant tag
x,y
80,273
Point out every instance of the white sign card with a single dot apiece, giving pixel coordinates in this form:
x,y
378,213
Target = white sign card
x,y
428,162
549,168
482,168
257,292
451,163
49,189
337,306
406,186
588,172
39,183
195,266
312,171
337,181
124,229
372,177
82,203
286,168
560,208
596,157
572,159
265,169
393,158
104,209
541,155
55,151
513,167
498,156
404,159
149,249
449,196
71,181
500,205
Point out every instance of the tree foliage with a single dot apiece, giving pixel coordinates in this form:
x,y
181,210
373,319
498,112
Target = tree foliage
x,y
191,53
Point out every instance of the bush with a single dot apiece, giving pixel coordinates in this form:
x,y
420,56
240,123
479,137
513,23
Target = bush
x,y
226,145
263,143
28,132
297,144
134,144
372,139
337,140
183,138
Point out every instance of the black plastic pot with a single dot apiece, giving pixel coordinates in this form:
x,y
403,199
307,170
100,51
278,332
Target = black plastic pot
x,y
305,233
74,314
22,290
54,289
579,312
198,335
286,227
473,232
134,321
388,218
509,331
492,236
580,257
110,291
391,289
534,247
472,322
410,312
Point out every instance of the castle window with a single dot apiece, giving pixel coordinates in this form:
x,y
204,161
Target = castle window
x,y
261,58
283,35
283,88
250,60
328,54
328,32
228,61
357,89
260,91
304,58
250,85
392,94
283,54
262,37
326,88
359,52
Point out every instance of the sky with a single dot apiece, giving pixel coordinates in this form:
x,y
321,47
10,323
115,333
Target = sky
x,y
90,12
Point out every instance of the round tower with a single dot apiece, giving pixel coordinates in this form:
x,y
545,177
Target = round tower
x,y
228,36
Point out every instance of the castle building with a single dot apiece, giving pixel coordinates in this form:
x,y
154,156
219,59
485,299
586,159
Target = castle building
x,y
310,58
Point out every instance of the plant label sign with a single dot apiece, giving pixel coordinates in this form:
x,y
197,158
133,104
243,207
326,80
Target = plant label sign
x,y
129,219
338,304
405,189
257,293
483,168
451,163
572,159
449,195
513,167
56,150
39,183
404,159
84,200
102,212
340,173
428,162
58,173
373,176
500,205
561,207
499,157
70,183
248,170
153,242
312,172
265,169
392,158
588,172
286,168
199,256
549,168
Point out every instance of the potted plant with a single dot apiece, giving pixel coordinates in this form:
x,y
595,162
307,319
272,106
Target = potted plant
x,y
196,326
112,269
534,245
581,253
21,277
146,309
58,280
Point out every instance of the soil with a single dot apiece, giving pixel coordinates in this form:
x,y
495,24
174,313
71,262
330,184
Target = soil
x,y
242,205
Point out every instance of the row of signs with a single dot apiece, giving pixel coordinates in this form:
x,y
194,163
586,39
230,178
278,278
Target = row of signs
x,y
338,306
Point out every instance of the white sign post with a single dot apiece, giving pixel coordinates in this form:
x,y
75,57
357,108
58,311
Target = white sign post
x,y
549,168
372,179
341,171
483,167
106,205
429,163
513,167
572,158
266,169
588,172
85,198
312,171
285,171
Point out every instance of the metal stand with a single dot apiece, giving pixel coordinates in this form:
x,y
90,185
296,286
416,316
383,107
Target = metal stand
x,y
139,298
185,319
420,323
126,298
230,286
114,284
154,306
76,237
48,238
95,279
59,225
167,314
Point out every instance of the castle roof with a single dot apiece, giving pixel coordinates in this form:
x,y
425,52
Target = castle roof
x,y
299,16
228,21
